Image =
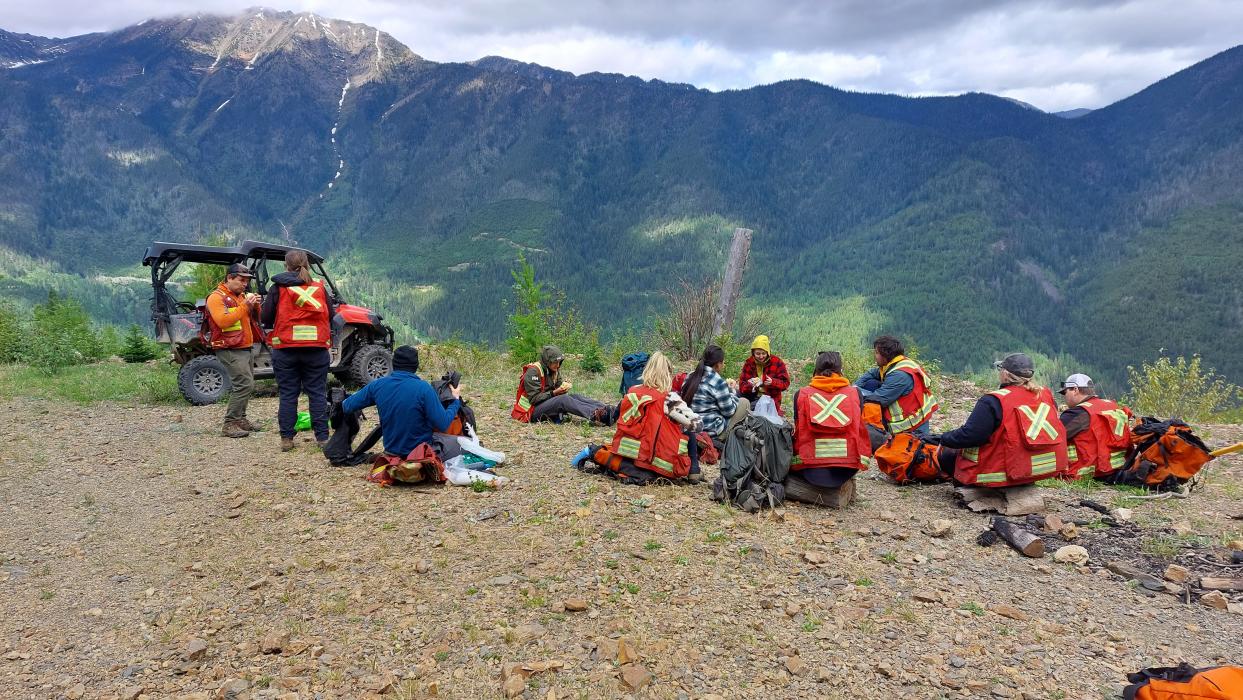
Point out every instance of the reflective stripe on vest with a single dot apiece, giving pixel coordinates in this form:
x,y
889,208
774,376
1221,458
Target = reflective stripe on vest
x,y
972,454
1072,453
636,402
1118,420
992,478
1040,421
1117,458
683,448
524,403
831,447
1086,472
305,296
829,409
628,447
899,421
305,333
1044,463
658,462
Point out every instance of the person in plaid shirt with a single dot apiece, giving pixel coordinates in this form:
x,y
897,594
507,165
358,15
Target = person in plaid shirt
x,y
712,397
763,374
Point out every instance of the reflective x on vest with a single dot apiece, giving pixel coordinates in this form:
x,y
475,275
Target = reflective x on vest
x,y
305,296
1117,420
1039,422
829,409
636,401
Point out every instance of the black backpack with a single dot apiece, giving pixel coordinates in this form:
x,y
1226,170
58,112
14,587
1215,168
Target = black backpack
x,y
340,449
755,464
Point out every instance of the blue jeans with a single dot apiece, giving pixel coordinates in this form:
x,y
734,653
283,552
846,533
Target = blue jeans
x,y
298,371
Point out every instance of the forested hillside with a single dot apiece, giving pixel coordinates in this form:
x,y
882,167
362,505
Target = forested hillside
x,y
970,224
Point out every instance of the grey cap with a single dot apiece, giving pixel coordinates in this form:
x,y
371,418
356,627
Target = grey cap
x,y
1018,364
1077,381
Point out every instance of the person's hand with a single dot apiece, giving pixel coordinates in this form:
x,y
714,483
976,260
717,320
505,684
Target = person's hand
x,y
755,382
732,384
456,391
566,386
252,298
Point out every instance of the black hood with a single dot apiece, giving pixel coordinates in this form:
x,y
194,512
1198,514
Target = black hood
x,y
287,279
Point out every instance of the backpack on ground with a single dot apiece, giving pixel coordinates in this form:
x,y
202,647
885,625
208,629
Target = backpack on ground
x,y
632,370
422,464
1185,682
465,414
1164,455
340,449
754,465
908,460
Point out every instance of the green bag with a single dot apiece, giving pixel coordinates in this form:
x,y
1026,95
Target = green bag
x,y
304,421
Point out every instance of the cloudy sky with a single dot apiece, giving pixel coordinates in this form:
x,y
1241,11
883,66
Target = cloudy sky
x,y
1055,54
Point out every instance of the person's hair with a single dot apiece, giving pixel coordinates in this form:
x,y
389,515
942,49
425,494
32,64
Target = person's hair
x,y
829,362
297,261
1086,390
1009,378
889,347
658,374
712,355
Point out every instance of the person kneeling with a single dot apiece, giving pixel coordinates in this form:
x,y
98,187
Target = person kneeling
x,y
647,444
410,411
831,441
544,395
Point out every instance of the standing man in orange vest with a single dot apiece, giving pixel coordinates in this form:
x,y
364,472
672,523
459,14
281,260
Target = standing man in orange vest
x,y
901,388
1098,430
232,333
299,312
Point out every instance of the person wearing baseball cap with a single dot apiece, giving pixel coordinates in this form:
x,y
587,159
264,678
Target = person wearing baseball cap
x,y
1098,430
232,332
1013,435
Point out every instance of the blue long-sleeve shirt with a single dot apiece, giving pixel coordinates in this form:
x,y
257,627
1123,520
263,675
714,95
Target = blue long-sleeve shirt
x,y
409,408
894,386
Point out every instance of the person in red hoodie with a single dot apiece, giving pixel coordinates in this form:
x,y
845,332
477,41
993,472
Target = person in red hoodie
x,y
763,374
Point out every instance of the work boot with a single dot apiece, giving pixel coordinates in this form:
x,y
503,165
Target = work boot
x,y
234,429
286,444
248,426
603,416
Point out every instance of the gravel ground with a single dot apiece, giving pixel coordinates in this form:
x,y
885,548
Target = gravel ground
x,y
141,554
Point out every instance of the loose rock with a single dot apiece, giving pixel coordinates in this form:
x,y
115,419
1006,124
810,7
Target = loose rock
x,y
1216,600
1071,554
195,650
636,677
940,528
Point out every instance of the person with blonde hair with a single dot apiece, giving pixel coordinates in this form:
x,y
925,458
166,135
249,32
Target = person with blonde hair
x,y
648,443
1013,435
300,312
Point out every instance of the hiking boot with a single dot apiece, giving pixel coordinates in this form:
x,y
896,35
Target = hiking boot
x,y
322,443
234,429
695,477
286,444
602,416
246,425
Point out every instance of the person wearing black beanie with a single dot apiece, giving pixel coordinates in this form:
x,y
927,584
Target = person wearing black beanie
x,y
410,411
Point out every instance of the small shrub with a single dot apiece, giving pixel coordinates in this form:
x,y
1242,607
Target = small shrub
x,y
686,327
1179,388
592,361
12,335
137,347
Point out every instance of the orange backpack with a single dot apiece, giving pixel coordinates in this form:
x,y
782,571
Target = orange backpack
x,y
908,460
1164,455
1184,682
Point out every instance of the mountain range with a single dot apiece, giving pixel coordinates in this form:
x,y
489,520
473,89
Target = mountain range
x,y
971,224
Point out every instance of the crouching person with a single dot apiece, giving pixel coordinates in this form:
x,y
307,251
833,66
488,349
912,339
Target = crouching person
x,y
1013,436
544,395
410,411
831,441
647,444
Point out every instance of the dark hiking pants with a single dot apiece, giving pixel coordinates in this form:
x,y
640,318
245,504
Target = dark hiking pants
x,y
573,404
299,371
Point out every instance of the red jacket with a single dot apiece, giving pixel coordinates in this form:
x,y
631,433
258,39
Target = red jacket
x,y
648,437
1028,445
829,430
774,379
1101,449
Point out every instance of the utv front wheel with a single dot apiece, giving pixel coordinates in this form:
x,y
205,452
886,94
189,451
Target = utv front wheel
x,y
370,362
203,380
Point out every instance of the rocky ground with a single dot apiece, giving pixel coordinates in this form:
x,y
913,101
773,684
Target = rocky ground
x,y
143,555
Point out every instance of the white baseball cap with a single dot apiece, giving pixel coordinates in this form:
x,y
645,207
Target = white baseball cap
x,y
1077,381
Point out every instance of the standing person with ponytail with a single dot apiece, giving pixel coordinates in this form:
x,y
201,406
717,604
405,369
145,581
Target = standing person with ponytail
x,y
712,397
300,312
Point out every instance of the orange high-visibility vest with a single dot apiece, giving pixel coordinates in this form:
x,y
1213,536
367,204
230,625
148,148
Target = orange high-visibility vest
x,y
829,430
1028,445
914,409
522,403
648,437
1101,449
302,318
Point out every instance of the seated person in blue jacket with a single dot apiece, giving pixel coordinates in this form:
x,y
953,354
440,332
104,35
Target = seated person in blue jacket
x,y
410,411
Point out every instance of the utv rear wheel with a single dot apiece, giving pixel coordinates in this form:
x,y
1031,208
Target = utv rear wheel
x,y
370,362
203,380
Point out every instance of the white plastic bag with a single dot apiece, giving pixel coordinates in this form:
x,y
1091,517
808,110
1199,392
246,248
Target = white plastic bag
x,y
765,408
459,475
473,447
